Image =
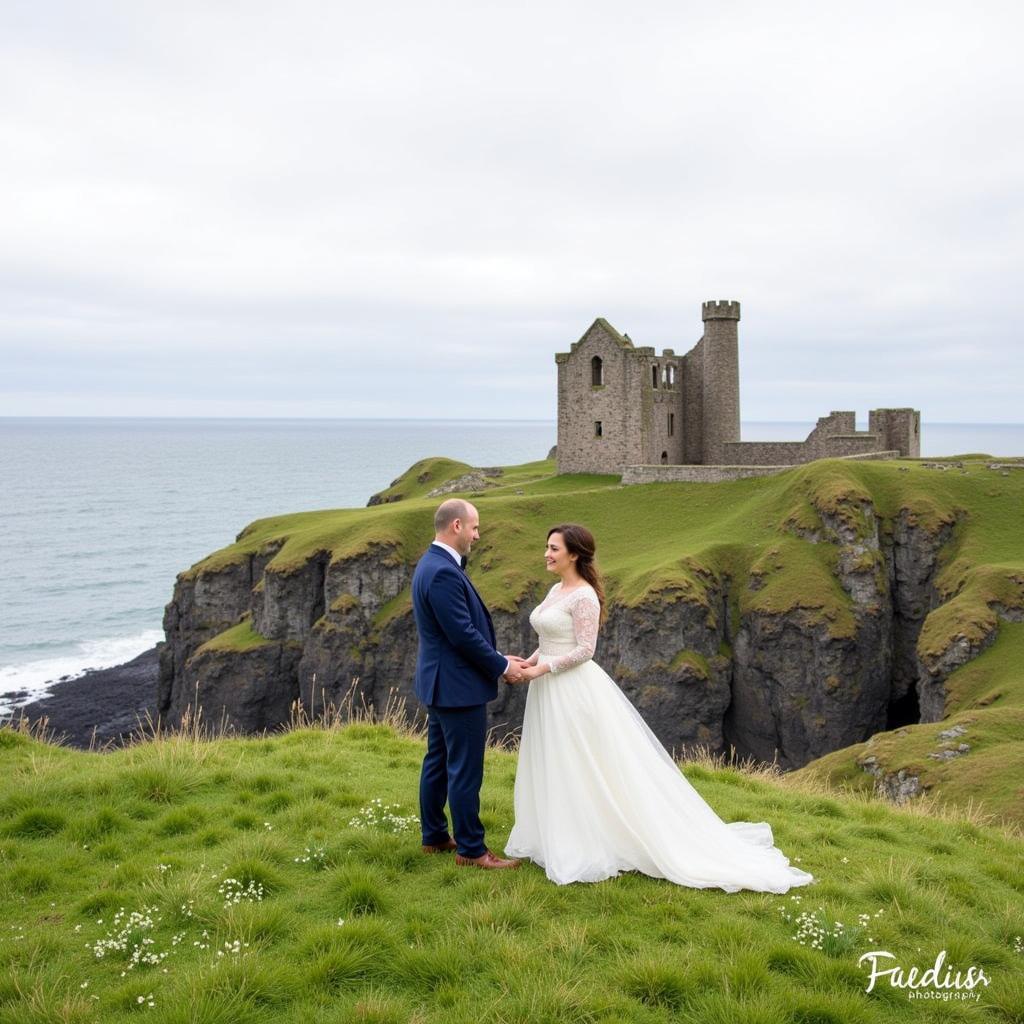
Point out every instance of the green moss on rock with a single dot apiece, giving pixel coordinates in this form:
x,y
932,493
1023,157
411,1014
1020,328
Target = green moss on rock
x,y
241,637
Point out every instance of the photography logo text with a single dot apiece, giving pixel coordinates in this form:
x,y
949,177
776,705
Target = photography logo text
x,y
939,981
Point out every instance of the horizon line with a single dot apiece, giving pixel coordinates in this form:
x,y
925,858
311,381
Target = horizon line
x,y
436,419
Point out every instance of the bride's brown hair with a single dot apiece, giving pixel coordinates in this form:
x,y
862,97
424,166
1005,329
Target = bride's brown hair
x,y
579,541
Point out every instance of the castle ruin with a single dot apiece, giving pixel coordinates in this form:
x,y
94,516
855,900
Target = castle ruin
x,y
626,410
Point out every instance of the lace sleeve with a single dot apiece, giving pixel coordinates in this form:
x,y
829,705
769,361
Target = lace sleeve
x,y
586,618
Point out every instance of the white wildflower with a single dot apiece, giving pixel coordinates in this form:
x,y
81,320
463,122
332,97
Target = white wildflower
x,y
233,892
377,814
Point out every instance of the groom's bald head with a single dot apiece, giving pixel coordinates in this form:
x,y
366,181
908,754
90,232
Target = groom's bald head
x,y
457,524
450,510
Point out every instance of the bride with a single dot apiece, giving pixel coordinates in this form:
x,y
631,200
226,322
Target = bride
x,y
596,793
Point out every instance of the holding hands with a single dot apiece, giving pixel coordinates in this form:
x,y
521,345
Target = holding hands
x,y
522,671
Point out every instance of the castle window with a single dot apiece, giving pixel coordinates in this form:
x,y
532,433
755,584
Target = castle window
x,y
664,458
654,376
596,371
671,376
598,429
671,424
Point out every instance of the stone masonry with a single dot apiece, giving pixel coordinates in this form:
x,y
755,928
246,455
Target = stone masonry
x,y
622,406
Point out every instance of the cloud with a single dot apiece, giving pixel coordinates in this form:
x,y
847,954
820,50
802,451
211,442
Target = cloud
x,y
407,209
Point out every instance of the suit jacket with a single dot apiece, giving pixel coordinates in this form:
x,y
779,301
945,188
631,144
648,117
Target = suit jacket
x,y
456,665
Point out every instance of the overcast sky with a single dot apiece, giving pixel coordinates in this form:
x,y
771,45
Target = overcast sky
x,y
405,209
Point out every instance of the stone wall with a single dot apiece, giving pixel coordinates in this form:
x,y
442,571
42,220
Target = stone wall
x,y
665,402
717,474
841,446
694,474
834,437
693,404
633,400
795,453
889,453
770,454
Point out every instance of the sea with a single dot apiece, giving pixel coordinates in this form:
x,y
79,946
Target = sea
x,y
99,515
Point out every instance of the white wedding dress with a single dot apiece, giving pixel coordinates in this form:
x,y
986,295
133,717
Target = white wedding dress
x,y
596,793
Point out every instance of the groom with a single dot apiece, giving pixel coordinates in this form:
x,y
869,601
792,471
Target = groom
x,y
457,673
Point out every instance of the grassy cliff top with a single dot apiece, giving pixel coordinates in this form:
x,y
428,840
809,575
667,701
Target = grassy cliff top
x,y
249,881
672,539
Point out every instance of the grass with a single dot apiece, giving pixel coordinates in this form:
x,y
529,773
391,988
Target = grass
x,y
988,777
225,880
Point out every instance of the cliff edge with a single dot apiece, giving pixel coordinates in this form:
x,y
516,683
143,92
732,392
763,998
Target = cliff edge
x,y
801,618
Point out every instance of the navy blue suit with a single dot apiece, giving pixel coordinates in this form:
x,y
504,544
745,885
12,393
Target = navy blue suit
x,y
457,673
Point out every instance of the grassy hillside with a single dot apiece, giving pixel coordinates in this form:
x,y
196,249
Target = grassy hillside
x,y
423,478
666,541
257,880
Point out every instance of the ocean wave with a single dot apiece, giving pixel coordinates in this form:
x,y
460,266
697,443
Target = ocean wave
x,y
36,677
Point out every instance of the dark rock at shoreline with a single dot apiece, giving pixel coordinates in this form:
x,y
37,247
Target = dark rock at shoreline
x,y
111,700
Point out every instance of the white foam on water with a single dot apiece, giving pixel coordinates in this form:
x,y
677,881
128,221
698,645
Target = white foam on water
x,y
36,677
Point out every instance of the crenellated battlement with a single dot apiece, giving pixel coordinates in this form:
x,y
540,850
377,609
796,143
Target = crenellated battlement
x,y
720,309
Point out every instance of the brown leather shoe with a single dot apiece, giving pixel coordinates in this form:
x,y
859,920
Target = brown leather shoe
x,y
446,847
488,860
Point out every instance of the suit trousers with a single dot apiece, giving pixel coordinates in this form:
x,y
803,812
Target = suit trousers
x,y
453,770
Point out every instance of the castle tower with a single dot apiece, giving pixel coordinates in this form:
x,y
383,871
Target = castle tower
x,y
720,374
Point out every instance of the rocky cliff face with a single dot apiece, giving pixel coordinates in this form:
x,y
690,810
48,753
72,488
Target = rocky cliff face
x,y
799,690
325,633
785,686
